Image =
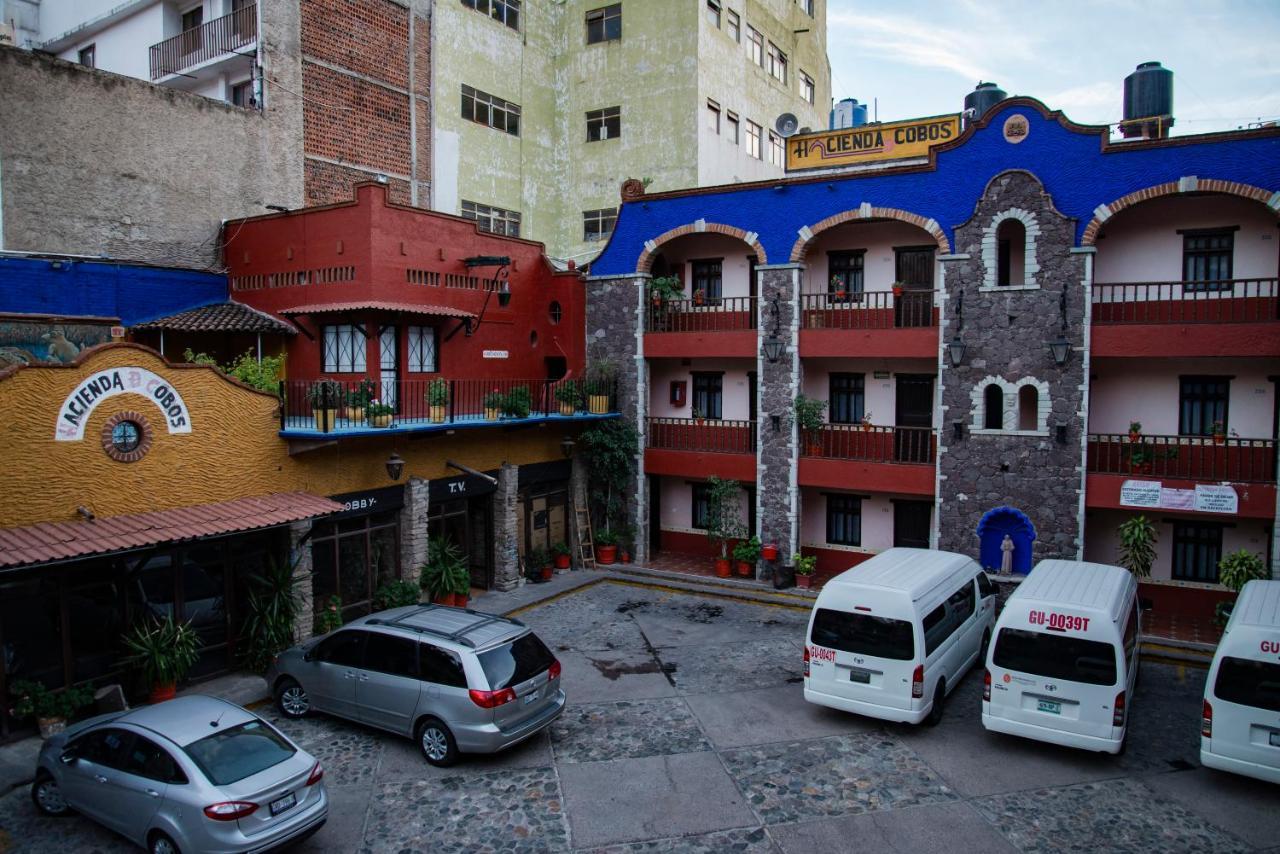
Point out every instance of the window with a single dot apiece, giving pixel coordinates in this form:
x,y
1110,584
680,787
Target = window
x,y
352,558
1055,656
1202,404
345,349
807,6
845,269
485,109
937,628
126,436
144,758
190,29
89,56
1206,259
731,129
506,11
392,655
844,520
423,350
238,753
713,116
846,397
707,277
733,25
344,649
555,314
604,25
440,666
242,94
516,662
985,588
807,89
491,219
1028,408
755,43
701,506
192,19
754,135
777,151
101,747
993,408
777,63
604,124
862,634
962,603
1246,682
708,394
598,225
713,13
1011,253
1197,548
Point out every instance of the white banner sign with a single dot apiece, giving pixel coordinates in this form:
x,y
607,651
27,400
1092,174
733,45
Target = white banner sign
x,y
80,404
1140,493
1217,499
495,354
1204,498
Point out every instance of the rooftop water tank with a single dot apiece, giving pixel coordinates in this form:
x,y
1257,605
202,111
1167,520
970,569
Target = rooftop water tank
x,y
848,113
982,98
1148,102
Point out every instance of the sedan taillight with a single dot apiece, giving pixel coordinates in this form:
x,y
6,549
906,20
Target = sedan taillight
x,y
492,699
317,774
230,810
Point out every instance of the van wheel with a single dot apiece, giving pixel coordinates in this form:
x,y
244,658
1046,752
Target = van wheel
x,y
939,700
436,743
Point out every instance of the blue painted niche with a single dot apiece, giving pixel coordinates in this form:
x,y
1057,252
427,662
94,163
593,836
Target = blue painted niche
x,y
991,531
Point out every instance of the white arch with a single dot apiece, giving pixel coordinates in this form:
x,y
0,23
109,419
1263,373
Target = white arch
x,y
991,257
1009,412
110,382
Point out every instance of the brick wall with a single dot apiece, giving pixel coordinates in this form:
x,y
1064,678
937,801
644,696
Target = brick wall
x,y
328,182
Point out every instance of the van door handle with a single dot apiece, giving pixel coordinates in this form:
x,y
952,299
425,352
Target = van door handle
x,y
364,677
350,675
152,792
99,778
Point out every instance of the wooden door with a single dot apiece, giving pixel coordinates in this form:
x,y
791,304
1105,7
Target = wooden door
x,y
914,410
913,268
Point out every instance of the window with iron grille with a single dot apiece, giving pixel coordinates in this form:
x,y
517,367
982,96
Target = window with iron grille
x,y
598,225
755,135
242,94
604,124
844,520
844,273
701,505
423,350
731,129
846,397
345,349
777,150
485,109
707,276
506,11
1207,259
733,25
88,56
713,13
755,43
777,63
491,219
604,24
708,394
713,116
1197,548
806,87
1202,401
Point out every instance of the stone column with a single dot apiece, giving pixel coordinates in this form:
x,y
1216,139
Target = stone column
x,y
506,543
777,486
578,497
299,558
413,530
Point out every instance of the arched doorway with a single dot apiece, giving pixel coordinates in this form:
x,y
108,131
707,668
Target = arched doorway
x,y
993,528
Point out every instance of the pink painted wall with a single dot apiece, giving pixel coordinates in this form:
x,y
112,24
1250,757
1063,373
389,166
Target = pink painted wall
x,y
877,522
1147,391
881,395
1102,543
877,238
676,496
736,278
1142,244
737,401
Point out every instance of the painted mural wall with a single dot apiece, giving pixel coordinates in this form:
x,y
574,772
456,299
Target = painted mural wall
x,y
34,340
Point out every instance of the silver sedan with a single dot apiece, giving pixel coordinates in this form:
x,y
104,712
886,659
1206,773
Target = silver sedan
x,y
189,775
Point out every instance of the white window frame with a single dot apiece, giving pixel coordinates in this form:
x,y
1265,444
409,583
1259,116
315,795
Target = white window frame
x,y
734,129
714,13
755,140
755,45
424,349
733,25
337,337
777,66
777,150
713,116
808,91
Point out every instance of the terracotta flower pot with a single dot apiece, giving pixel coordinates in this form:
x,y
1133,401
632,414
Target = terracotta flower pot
x,y
460,600
606,554
625,557
769,552
723,567
547,572
562,561
1134,436
744,569
897,292
1219,438
802,581
444,599
160,693
49,727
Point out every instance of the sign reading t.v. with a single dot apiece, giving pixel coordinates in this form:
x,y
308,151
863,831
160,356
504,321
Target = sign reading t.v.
x,y
102,385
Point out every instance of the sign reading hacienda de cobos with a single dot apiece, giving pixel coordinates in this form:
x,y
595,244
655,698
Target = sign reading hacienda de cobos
x,y
870,142
102,385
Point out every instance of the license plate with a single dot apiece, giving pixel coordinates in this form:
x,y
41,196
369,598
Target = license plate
x,y
863,676
1049,706
1275,739
281,804
529,698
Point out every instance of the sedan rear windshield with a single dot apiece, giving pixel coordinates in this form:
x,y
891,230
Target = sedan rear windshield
x,y
239,752
1249,683
513,663
1056,656
879,637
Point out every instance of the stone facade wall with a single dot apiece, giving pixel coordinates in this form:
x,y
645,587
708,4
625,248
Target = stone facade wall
x,y
413,530
300,556
506,541
777,490
1007,332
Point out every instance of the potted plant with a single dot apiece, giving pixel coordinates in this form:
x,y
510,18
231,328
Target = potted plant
x,y
51,709
746,553
271,614
396,594
599,386
357,399
1137,545
445,576
866,421
805,565
517,402
330,617
663,289
698,416
325,397
724,523
898,288
379,414
769,551
540,564
438,400
699,297
1219,433
569,396
492,404
808,414
606,547
561,552
1135,431
1235,570
838,289
164,650
1141,459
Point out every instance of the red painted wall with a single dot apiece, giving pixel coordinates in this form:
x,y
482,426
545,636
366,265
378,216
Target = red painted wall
x,y
1257,500
895,478
698,465
1135,340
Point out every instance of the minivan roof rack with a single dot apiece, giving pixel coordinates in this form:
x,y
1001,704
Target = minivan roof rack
x,y
460,636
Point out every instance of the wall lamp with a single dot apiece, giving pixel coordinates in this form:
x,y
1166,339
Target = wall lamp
x,y
395,466
956,349
1061,348
566,446
773,345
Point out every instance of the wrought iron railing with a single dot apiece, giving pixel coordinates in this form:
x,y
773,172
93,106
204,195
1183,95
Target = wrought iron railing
x,y
719,314
909,309
871,443
1204,458
1224,301
365,404
706,435
205,42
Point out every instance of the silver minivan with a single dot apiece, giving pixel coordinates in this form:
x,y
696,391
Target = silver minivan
x,y
454,680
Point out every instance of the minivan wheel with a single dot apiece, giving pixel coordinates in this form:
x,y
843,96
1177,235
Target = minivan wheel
x,y
939,699
437,744
162,844
292,700
47,796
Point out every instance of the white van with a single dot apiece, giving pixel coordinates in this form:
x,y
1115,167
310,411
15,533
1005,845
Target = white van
x,y
1065,657
892,636
1240,731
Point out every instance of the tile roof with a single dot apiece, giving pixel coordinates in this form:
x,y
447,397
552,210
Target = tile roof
x,y
378,305
55,541
221,317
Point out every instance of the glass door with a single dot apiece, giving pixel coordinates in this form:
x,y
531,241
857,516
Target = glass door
x,y
389,364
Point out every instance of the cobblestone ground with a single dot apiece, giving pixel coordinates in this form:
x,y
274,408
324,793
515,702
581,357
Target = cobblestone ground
x,y
687,731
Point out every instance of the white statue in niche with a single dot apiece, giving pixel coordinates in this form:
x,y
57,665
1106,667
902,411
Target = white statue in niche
x,y
1006,555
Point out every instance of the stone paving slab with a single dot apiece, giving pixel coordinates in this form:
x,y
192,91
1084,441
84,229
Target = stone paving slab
x,y
761,716
841,775
402,760
734,666
601,676
605,731
747,841
1248,807
1116,816
1164,734
348,751
24,830
954,828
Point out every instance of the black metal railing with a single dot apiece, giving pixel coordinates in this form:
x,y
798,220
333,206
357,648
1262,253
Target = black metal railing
x,y
871,443
718,314
910,309
363,404
1223,301
205,42
1184,457
706,435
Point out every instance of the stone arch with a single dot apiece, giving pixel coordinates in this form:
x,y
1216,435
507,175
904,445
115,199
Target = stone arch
x,y
1186,184
866,211
1010,399
994,525
990,257
645,262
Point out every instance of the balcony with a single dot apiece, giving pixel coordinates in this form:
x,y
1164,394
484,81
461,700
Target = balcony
x,y
1231,317
723,326
216,39
325,409
699,448
874,458
876,323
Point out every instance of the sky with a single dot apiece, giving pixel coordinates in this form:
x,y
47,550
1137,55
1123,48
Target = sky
x,y
921,57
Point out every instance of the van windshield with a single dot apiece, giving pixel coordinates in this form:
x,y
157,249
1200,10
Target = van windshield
x,y
513,663
1056,656
879,637
1249,683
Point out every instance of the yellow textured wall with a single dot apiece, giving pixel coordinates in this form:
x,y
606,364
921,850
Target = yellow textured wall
x,y
233,450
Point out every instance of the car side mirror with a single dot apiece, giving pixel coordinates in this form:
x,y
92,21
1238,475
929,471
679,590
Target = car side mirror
x,y
68,757
309,655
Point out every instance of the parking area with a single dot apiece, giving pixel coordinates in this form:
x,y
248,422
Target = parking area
x,y
687,730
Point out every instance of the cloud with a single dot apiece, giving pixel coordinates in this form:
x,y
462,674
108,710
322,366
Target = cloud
x,y
904,40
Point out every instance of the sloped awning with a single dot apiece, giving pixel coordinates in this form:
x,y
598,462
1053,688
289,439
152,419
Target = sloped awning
x,y
48,542
379,305
221,317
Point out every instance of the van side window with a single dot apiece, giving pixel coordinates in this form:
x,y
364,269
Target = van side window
x,y
937,628
440,666
961,604
985,587
1131,634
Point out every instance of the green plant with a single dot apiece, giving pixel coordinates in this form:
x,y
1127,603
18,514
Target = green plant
x,y
538,559
396,594
164,650
1237,569
446,571
747,551
724,512
360,396
1135,427
517,402
610,449
493,400
805,564
34,699
262,374
326,394
697,414
272,613
560,549
330,618
600,375
809,412
375,409
665,288
606,538
569,393
1138,545
1219,428
438,393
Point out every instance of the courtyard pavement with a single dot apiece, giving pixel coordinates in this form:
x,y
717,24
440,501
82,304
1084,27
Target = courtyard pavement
x,y
687,730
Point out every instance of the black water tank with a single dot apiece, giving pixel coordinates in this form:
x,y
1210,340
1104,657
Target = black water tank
x,y
981,99
1148,94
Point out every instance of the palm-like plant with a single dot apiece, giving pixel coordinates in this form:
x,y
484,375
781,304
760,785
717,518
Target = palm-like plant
x,y
272,615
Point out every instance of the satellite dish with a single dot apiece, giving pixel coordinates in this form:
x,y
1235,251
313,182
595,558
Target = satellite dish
x,y
787,125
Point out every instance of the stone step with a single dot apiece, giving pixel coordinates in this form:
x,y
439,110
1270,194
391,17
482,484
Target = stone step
x,y
747,590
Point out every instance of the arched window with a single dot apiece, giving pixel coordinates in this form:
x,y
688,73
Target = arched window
x,y
1011,253
993,407
1028,408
